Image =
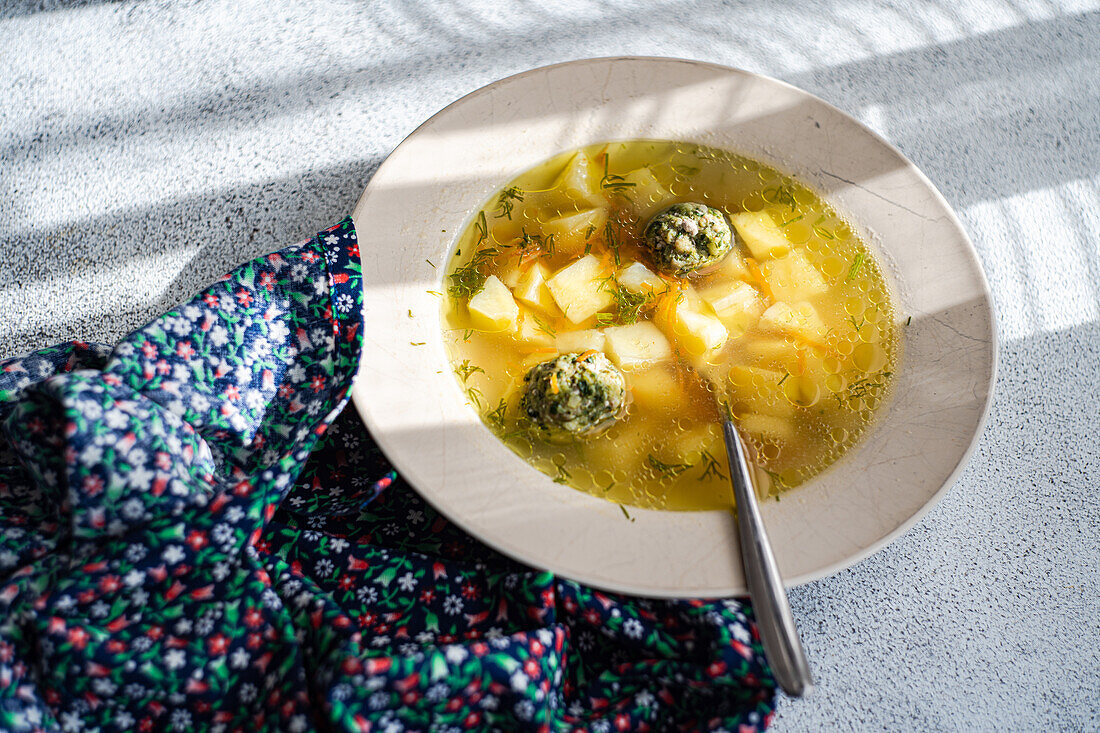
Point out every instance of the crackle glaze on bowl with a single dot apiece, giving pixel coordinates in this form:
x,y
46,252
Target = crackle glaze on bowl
x,y
425,192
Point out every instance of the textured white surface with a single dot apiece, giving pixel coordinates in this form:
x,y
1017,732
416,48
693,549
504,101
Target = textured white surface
x,y
145,148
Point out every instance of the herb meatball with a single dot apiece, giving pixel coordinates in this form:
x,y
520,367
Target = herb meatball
x,y
687,237
578,394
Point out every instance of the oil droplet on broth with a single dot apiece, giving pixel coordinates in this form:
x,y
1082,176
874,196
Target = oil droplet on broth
x,y
817,405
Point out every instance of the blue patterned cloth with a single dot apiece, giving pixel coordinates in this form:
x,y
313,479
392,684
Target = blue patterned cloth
x,y
185,545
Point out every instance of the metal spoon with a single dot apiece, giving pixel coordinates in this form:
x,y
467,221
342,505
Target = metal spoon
x,y
782,645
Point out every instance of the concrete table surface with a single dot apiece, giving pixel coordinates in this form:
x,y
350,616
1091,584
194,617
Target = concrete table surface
x,y
147,147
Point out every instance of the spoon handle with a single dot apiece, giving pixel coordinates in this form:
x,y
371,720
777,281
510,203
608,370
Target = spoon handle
x,y
774,619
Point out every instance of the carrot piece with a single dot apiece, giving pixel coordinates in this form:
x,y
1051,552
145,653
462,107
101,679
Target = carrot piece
x,y
761,282
554,382
539,350
587,354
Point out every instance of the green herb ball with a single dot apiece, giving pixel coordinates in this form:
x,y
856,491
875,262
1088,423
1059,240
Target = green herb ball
x,y
572,395
687,237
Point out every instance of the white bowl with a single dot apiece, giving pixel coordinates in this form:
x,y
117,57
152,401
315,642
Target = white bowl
x,y
423,196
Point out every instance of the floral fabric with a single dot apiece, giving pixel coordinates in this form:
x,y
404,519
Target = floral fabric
x,y
186,545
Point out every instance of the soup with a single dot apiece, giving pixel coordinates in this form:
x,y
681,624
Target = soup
x,y
608,309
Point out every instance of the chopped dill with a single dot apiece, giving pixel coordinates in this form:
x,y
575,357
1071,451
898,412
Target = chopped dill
x,y
417,343
430,262
482,227
856,326
544,326
780,195
506,202
854,269
784,379
588,238
563,475
711,467
468,279
465,370
908,320
685,170
410,313
777,480
613,183
792,221
497,415
613,242
608,487
860,388
606,319
466,334
475,396
668,470
822,231
436,293
625,513
706,154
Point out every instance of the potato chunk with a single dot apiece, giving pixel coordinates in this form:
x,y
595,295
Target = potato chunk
x,y
655,389
533,329
647,193
572,232
692,325
639,344
580,181
760,234
736,304
493,308
579,289
531,289
637,278
794,278
800,320
582,340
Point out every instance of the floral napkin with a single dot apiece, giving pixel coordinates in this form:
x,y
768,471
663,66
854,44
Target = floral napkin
x,y
193,538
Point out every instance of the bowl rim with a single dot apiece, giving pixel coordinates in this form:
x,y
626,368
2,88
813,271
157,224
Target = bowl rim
x,y
994,343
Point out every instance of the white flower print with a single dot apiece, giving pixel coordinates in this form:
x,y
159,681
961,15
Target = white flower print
x,y
425,637
199,402
124,720
380,640
136,553
65,602
378,700
134,578
456,654
141,479
234,514
104,686
174,659
344,302
221,571
520,681
299,272
99,609
8,559
633,628
278,333
173,554
139,597
238,659
525,709
71,723
740,633
183,626
116,419
297,724
437,692
452,605
91,454
407,582
296,373
489,702
248,692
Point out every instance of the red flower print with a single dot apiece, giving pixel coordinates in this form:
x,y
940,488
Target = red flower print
x,y
592,616
347,582
254,641
252,618
622,722
353,249
317,383
427,596
531,667
537,648
217,644
155,632
184,350
378,666
244,297
211,300
267,281
78,637
570,604
410,698
285,391
93,485
232,393
148,349
741,649
310,256
469,591
197,540
716,668
109,583
472,720
163,367
480,649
